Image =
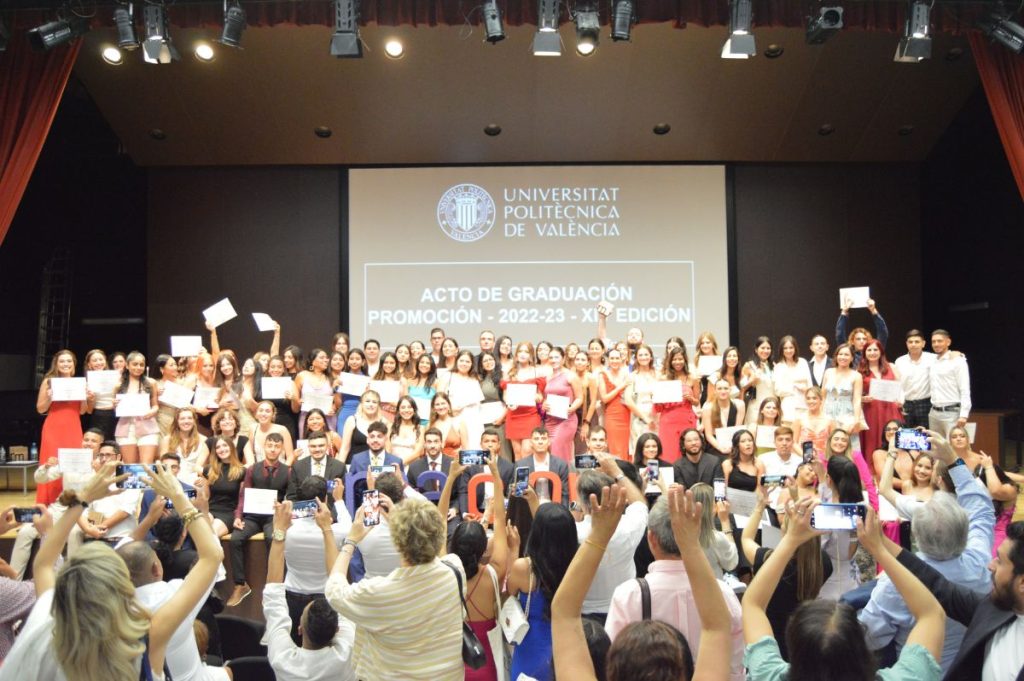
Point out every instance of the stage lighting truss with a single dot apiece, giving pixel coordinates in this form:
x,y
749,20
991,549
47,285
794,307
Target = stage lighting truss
x,y
157,47
740,43
345,43
547,42
916,42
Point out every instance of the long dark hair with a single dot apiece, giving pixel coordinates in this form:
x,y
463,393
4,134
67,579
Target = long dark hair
x,y
638,453
824,637
469,543
755,360
846,478
551,547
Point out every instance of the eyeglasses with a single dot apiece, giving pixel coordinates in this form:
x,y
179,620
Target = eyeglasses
x,y
891,430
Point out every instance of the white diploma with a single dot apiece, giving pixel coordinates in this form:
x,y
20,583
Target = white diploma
x,y
765,437
741,502
521,395
724,435
186,346
389,391
857,295
464,391
103,382
353,384
322,402
887,511
558,406
443,375
176,396
132,404
259,501
491,411
76,467
264,322
792,404
605,308
67,389
708,364
667,392
972,429
219,312
885,391
206,398
423,407
274,387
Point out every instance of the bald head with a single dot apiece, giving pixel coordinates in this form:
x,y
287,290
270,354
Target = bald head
x,y
143,564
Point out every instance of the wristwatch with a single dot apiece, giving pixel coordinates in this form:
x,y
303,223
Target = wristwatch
x,y
278,535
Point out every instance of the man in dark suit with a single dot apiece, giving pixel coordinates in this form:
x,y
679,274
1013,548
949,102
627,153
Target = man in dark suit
x,y
376,436
696,465
317,463
820,360
491,442
433,458
541,460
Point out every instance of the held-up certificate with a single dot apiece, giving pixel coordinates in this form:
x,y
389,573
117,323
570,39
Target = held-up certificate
x,y
322,402
263,321
176,396
274,387
971,429
741,502
724,435
103,382
220,312
521,395
259,501
857,295
132,404
791,404
765,437
558,406
708,364
76,467
885,391
464,391
667,392
423,407
206,397
186,346
491,411
389,391
67,389
353,384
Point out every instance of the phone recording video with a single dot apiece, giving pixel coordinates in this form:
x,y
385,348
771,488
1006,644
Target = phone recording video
x,y
912,439
653,470
189,493
719,485
377,470
808,452
371,507
521,481
304,509
585,461
772,480
837,516
473,457
25,514
137,474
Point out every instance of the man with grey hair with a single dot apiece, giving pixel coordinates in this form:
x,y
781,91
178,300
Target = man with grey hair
x,y
617,566
954,536
671,594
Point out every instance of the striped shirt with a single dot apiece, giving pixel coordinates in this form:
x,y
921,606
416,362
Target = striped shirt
x,y
408,624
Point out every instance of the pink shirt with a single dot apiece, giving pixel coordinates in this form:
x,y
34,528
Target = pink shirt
x,y
672,603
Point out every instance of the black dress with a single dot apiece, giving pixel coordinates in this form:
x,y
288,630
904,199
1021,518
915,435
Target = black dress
x,y
784,601
224,496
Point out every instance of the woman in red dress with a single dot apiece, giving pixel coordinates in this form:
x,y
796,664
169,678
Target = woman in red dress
x,y
875,367
675,417
613,381
63,425
521,421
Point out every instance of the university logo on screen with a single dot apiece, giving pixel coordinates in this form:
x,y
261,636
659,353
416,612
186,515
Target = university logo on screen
x,y
466,212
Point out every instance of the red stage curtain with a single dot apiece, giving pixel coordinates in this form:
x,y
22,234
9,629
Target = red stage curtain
x,y
1002,74
31,85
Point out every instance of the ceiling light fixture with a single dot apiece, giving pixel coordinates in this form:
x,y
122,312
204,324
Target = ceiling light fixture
x,y
494,29
204,52
124,19
825,25
57,32
623,18
112,55
394,48
740,43
234,24
588,30
916,44
157,47
345,43
546,41
1000,29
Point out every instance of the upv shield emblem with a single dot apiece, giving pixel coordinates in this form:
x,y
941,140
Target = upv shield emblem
x,y
466,212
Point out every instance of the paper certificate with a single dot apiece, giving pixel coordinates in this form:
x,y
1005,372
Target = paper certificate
x,y
521,395
67,389
259,501
667,392
186,346
423,407
132,404
971,429
464,391
274,388
264,322
724,435
491,411
353,384
206,398
708,364
792,404
219,312
103,382
176,396
885,391
741,502
558,406
76,467
765,438
389,391
857,296
322,402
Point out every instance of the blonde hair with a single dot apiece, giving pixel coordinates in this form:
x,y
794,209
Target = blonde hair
x,y
98,623
417,531
236,469
705,494
186,444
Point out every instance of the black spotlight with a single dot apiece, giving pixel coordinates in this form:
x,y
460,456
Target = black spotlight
x,y
825,25
493,26
234,25
124,19
57,33
1003,31
623,18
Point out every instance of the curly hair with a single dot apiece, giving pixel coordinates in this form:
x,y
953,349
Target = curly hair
x,y
417,531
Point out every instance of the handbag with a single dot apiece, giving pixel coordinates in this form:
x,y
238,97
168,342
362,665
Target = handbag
x,y
496,637
473,653
512,618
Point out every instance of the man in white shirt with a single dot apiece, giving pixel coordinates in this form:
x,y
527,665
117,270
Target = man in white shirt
x,y
183,659
914,369
112,517
380,556
950,386
436,340
617,566
671,594
783,461
327,637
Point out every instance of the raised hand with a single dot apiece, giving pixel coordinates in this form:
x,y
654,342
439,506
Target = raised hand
x,y
606,513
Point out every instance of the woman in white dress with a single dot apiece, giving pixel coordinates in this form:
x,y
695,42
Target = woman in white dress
x,y
758,373
792,376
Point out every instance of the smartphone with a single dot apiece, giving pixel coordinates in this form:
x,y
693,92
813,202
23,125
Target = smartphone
x,y
377,470
137,473
585,461
473,457
25,514
912,439
808,452
189,493
521,480
304,509
769,480
837,516
331,484
371,507
719,485
653,470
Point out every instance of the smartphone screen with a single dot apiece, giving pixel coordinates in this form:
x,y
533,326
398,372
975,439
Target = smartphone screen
x,y
189,493
912,439
137,473
585,461
473,457
331,484
522,479
769,480
836,516
808,452
653,470
304,509
25,514
377,470
719,489
371,507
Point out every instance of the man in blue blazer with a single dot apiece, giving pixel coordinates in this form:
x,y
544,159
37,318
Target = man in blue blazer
x,y
376,436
